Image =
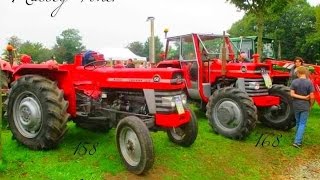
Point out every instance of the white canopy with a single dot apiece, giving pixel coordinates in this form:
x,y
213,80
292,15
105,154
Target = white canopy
x,y
119,54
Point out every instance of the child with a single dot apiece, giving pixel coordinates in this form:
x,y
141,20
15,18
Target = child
x,y
303,99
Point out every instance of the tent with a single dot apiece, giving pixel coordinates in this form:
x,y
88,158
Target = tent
x,y
121,54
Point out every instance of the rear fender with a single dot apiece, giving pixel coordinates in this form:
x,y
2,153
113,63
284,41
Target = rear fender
x,y
52,72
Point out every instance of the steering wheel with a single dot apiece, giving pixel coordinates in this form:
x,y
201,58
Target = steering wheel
x,y
95,64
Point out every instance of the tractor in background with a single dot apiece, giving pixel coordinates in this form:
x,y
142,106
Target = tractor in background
x,y
235,95
280,68
43,97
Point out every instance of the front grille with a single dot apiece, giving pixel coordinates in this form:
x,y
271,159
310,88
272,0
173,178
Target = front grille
x,y
262,91
161,107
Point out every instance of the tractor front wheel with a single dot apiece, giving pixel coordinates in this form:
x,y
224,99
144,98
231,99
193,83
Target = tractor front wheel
x,y
282,116
231,113
135,145
37,112
186,134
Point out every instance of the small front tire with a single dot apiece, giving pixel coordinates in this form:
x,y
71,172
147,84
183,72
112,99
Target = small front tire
x,y
135,145
186,134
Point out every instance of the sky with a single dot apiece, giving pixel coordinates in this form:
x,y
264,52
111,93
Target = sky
x,y
113,23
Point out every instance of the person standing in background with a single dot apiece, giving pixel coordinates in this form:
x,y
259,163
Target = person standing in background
x,y
301,90
298,61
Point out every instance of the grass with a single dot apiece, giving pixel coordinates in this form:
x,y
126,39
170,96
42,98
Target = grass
x,y
211,156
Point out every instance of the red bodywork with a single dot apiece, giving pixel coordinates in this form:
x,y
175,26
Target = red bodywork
x,y
210,70
72,77
314,76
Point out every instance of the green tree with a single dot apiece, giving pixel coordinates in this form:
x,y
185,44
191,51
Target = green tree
x,y
142,49
261,9
137,48
292,28
311,48
158,46
68,44
15,41
36,50
243,27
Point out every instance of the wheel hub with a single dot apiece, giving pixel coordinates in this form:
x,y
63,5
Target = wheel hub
x,y
130,146
30,116
226,114
27,116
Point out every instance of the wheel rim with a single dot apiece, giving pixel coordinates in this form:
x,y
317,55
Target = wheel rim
x,y
280,114
130,146
177,133
227,114
27,114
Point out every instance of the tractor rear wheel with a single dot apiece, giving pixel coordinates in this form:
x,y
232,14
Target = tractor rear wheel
x,y
135,144
4,80
231,113
186,134
37,112
281,117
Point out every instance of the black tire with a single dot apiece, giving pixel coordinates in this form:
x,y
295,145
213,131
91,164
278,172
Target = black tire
x,y
37,112
4,84
283,117
231,113
138,138
4,80
186,134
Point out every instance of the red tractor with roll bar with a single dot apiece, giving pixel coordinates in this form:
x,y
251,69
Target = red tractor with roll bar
x,y
280,68
236,95
43,97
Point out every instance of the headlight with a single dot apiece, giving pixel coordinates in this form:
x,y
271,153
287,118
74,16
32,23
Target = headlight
x,y
168,101
254,85
184,98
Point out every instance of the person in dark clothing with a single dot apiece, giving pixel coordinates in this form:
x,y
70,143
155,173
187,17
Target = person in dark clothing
x,y
298,61
301,90
130,64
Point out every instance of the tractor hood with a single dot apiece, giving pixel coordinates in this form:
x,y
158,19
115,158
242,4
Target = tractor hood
x,y
132,78
152,78
109,77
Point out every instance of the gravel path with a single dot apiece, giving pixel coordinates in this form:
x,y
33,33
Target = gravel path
x,y
311,170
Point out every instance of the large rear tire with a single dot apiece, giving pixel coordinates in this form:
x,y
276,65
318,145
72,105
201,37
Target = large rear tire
x,y
135,145
4,80
231,113
186,134
37,112
281,117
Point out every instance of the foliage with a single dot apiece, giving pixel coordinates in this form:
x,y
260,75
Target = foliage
x,y
243,27
142,49
36,50
294,27
261,9
68,44
311,48
137,48
15,41
158,46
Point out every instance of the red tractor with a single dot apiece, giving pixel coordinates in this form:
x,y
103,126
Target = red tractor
x,y
43,97
236,95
